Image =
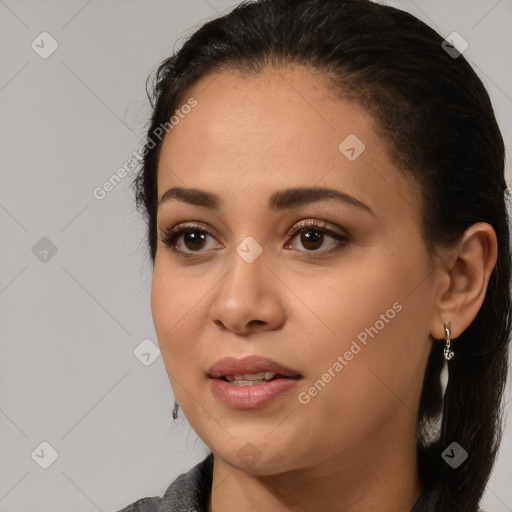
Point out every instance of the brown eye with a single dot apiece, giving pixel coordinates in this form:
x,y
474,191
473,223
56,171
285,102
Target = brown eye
x,y
194,240
186,239
189,240
312,239
315,238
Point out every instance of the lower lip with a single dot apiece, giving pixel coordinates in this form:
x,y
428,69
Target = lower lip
x,y
251,397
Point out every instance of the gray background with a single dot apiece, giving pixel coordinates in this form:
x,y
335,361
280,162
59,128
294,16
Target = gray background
x,y
70,321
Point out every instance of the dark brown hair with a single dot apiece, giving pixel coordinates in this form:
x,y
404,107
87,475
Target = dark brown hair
x,y
441,130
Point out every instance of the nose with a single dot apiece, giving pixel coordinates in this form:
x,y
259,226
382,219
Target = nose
x,y
249,298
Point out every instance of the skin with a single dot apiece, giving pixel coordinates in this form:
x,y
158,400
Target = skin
x,y
353,446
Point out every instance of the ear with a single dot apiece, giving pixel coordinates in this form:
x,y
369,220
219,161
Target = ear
x,y
463,281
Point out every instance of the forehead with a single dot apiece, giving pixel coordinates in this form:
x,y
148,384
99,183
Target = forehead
x,y
282,110
281,127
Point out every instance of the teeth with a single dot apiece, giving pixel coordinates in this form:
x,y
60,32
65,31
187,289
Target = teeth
x,y
247,382
250,377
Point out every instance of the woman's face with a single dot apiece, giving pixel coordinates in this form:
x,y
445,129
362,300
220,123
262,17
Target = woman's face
x,y
347,305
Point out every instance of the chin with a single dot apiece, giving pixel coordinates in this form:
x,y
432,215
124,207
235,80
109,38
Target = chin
x,y
250,456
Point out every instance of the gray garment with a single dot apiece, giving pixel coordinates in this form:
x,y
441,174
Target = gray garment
x,y
190,492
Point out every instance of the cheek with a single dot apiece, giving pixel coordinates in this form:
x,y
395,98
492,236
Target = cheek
x,y
359,379
175,296
172,300
373,340
362,328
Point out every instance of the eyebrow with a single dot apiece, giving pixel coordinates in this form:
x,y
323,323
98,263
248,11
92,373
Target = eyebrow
x,y
281,200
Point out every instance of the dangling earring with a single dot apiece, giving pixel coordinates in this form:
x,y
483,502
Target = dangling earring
x,y
175,410
448,354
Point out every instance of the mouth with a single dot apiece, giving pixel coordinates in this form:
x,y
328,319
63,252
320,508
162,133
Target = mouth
x,y
249,370
251,382
254,379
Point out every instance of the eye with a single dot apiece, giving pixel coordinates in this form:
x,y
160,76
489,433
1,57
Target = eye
x,y
185,239
315,235
190,238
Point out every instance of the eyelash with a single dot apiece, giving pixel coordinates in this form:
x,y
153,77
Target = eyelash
x,y
169,236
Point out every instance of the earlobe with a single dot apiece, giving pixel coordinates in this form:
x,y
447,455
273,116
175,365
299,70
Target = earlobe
x,y
465,279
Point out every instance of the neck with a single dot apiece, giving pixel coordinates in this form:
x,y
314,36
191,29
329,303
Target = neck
x,y
380,475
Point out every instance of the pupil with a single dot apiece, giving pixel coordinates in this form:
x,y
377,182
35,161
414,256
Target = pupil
x,y
196,241
309,240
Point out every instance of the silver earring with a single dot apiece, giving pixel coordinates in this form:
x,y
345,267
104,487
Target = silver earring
x,y
175,410
448,354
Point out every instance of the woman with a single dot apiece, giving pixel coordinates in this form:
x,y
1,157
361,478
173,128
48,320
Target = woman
x,y
324,188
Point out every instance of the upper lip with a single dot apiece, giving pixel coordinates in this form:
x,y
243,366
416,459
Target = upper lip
x,y
248,364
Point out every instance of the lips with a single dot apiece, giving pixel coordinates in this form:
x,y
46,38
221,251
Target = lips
x,y
251,382
230,366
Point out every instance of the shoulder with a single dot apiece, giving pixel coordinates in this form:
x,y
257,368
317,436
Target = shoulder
x,y
189,491
142,505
